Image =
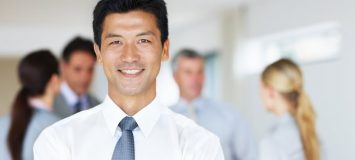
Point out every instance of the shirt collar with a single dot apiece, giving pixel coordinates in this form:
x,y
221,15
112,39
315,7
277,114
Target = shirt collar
x,y
145,118
198,103
38,104
284,120
70,96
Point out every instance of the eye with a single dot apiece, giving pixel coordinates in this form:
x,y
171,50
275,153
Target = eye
x,y
143,41
115,42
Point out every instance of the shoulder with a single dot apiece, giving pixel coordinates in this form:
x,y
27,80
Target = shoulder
x,y
59,103
177,107
78,118
59,98
76,121
59,134
93,100
192,136
285,133
222,107
188,128
46,115
226,111
42,119
284,140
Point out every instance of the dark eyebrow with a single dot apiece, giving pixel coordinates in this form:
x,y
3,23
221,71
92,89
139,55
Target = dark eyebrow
x,y
145,33
112,35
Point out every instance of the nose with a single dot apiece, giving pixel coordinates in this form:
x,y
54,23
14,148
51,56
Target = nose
x,y
130,53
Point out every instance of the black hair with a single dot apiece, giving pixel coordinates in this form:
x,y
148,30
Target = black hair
x,y
34,71
78,44
106,7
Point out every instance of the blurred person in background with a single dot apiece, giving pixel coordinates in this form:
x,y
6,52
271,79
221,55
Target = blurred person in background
x,y
219,118
294,137
77,70
32,108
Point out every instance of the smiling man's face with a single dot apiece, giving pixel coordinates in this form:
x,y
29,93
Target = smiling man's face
x,y
131,52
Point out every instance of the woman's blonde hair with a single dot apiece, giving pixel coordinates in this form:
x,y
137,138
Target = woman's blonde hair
x,y
286,78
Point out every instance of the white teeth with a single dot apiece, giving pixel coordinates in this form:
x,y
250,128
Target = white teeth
x,y
131,71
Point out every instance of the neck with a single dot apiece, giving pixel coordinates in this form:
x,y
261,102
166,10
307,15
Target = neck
x,y
47,100
71,88
188,99
132,104
282,109
281,113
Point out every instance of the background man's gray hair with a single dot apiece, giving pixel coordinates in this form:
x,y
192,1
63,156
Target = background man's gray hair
x,y
187,53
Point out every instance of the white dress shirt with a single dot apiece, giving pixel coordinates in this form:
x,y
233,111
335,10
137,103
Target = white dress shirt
x,y
71,98
224,121
161,135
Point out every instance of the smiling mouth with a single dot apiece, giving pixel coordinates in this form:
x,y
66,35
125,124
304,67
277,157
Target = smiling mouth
x,y
131,72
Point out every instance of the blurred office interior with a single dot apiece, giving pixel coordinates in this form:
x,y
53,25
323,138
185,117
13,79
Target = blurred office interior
x,y
238,38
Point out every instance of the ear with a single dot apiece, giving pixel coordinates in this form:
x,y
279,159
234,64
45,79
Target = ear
x,y
55,79
98,53
165,53
54,83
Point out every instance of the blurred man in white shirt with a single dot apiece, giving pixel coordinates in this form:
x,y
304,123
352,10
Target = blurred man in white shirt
x,y
219,118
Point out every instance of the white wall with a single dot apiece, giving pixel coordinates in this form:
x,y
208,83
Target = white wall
x,y
30,25
330,84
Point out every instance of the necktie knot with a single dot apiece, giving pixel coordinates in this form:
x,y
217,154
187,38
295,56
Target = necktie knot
x,y
128,123
77,106
124,149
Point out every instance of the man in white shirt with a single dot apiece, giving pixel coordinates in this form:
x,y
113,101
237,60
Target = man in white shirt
x,y
131,40
77,68
219,118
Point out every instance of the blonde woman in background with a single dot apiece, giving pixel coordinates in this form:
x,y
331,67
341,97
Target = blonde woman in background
x,y
294,137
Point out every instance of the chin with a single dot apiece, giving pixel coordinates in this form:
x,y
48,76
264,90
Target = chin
x,y
196,95
270,109
82,92
130,91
